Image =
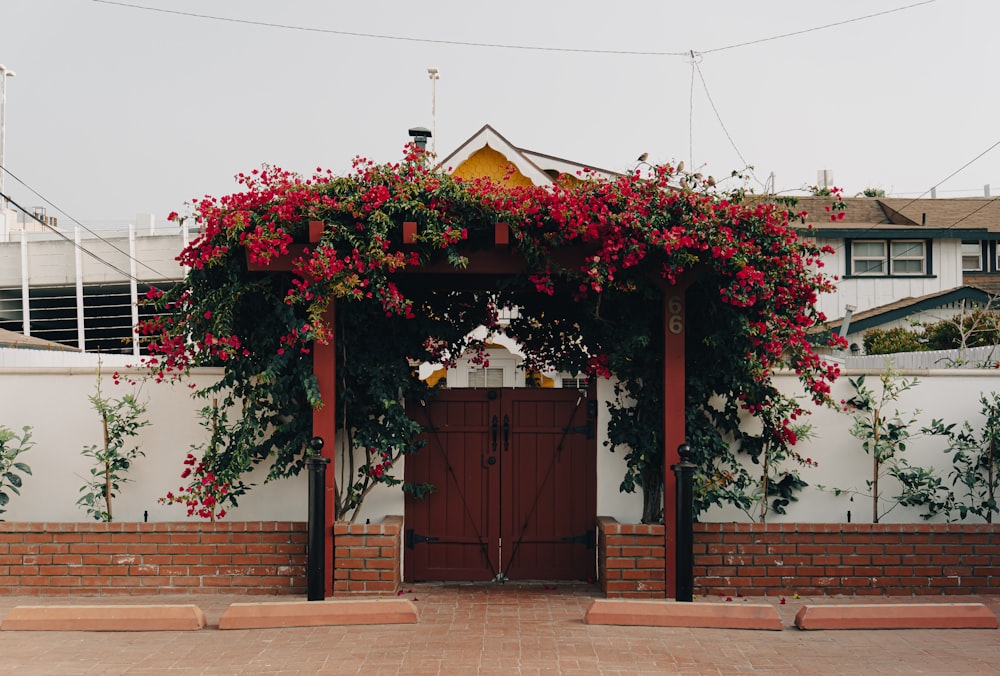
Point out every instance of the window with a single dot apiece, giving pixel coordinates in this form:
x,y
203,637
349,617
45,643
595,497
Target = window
x,y
881,257
868,258
907,258
972,256
487,377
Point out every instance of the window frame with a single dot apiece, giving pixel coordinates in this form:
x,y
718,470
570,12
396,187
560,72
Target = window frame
x,y
888,260
981,259
893,258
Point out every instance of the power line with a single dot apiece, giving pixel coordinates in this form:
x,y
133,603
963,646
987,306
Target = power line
x,y
382,36
497,45
722,124
71,241
818,28
109,243
874,227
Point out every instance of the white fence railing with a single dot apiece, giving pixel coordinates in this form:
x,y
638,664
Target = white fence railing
x,y
970,358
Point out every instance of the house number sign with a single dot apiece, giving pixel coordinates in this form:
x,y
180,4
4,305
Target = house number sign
x,y
675,315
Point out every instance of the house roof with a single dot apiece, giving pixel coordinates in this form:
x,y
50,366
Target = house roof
x,y
965,217
883,314
18,340
538,167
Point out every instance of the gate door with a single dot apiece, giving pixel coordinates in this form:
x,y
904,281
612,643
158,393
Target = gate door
x,y
515,477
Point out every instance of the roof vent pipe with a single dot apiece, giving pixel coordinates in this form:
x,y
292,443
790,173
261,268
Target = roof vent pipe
x,y
420,136
986,190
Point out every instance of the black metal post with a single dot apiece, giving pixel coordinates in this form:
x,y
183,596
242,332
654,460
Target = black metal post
x,y
316,561
684,475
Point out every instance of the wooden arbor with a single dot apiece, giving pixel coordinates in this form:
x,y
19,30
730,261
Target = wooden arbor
x,y
501,261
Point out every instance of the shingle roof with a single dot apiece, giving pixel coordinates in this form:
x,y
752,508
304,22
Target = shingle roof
x,y
905,306
891,213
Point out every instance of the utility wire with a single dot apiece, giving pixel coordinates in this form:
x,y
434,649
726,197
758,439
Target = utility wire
x,y
382,36
96,236
496,45
985,204
817,28
708,95
71,240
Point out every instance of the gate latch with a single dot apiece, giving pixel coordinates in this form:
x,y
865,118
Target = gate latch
x,y
413,538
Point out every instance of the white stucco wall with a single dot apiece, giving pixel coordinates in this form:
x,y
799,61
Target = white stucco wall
x,y
951,395
54,402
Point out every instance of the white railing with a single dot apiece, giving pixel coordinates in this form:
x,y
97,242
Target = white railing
x,y
83,289
970,358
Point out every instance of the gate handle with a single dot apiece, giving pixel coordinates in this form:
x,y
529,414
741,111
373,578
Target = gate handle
x,y
506,432
496,424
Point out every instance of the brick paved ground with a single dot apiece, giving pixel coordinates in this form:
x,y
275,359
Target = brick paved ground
x,y
498,629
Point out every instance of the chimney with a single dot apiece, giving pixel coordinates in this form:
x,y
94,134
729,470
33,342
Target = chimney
x,y
824,178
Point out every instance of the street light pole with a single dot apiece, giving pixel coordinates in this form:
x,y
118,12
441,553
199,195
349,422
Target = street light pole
x,y
435,76
4,74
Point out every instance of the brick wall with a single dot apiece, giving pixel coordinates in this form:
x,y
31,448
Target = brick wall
x,y
630,559
366,557
152,558
850,559
736,559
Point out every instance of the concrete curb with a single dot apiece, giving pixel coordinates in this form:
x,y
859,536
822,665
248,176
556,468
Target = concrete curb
x,y
674,614
896,616
318,613
104,618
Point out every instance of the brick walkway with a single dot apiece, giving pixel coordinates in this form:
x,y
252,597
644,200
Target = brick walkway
x,y
497,629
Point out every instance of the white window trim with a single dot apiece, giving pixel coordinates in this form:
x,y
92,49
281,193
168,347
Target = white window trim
x,y
888,260
894,259
856,258
979,255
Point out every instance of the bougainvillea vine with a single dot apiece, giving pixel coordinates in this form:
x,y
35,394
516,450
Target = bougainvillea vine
x,y
610,245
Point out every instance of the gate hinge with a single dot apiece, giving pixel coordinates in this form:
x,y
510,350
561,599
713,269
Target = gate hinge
x,y
589,539
413,538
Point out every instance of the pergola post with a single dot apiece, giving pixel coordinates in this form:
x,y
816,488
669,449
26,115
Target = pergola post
x,y
324,425
674,330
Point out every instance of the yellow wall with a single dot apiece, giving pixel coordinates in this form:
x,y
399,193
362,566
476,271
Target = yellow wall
x,y
488,163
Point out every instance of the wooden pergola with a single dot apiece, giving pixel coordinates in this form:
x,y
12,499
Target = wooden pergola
x,y
499,261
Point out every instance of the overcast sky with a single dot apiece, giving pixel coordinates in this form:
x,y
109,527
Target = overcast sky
x,y
116,110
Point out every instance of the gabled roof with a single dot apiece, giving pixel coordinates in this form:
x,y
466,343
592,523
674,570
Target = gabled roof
x,y
876,316
540,168
959,218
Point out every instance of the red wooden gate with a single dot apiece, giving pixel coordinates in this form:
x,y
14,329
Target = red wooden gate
x,y
515,473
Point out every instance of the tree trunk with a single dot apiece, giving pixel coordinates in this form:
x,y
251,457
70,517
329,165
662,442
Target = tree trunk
x,y
652,496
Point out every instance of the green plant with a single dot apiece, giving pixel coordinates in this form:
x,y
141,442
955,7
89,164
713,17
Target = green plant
x,y
597,256
121,420
208,492
883,432
974,475
971,327
12,446
873,192
891,341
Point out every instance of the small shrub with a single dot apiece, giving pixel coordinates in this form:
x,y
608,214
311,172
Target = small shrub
x,y
11,446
